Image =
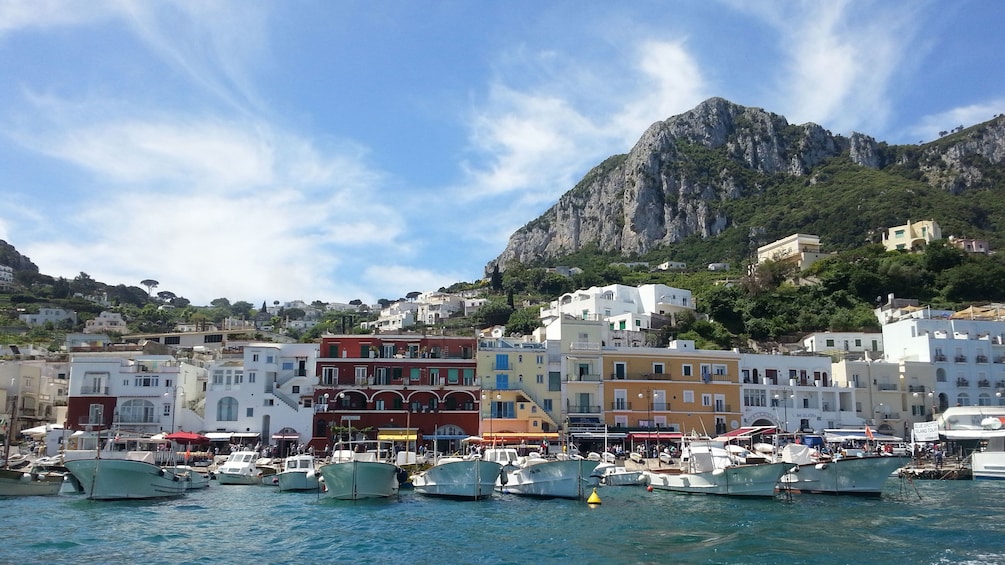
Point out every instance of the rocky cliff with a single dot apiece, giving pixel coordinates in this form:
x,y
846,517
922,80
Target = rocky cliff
x,y
667,188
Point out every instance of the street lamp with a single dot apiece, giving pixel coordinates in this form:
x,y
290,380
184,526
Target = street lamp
x,y
785,408
492,410
647,395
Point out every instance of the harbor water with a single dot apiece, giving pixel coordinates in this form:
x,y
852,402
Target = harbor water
x,y
912,523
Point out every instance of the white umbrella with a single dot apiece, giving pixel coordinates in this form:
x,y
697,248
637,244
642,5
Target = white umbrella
x,y
472,439
42,430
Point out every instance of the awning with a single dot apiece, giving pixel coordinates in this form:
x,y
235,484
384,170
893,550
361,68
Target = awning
x,y
599,435
745,432
643,436
285,436
402,435
446,436
833,436
219,436
245,435
520,436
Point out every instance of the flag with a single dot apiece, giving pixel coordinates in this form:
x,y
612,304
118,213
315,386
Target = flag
x,y
868,433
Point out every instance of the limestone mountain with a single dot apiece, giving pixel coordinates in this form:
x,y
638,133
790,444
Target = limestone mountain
x,y
725,169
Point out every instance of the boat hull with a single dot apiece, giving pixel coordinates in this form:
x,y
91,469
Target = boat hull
x,y
229,478
624,478
736,480
573,478
15,482
124,479
988,465
298,480
355,480
469,479
863,476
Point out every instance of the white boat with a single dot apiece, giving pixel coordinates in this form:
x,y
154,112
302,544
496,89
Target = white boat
x,y
197,479
29,482
299,473
533,475
855,474
239,469
708,468
470,478
613,475
980,424
355,472
133,475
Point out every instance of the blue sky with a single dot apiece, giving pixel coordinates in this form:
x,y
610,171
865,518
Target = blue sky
x,y
333,150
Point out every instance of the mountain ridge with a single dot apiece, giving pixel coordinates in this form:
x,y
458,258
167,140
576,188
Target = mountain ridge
x,y
688,175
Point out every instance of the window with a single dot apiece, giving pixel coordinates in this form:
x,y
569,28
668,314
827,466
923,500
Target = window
x,y
547,405
469,377
554,381
414,374
658,368
706,399
214,338
689,396
620,370
540,379
755,397
250,413
540,359
329,375
251,377
686,370
718,369
502,381
829,342
140,411
452,376
147,381
226,409
502,362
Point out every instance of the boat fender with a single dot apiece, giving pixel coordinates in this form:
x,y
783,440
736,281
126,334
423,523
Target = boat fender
x,y
160,472
503,477
25,477
175,478
821,466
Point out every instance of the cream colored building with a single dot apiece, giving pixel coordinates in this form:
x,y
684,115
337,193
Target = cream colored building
x,y
798,249
911,236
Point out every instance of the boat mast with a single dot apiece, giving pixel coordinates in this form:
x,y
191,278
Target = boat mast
x,y
6,435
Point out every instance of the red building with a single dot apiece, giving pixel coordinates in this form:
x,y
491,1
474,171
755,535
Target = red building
x,y
402,388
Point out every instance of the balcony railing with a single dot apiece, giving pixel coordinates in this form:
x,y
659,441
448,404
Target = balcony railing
x,y
587,377
962,382
916,388
982,358
886,386
984,383
584,409
940,357
84,390
960,358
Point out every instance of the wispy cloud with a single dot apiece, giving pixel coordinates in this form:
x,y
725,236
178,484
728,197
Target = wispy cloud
x,y
841,60
929,127
17,15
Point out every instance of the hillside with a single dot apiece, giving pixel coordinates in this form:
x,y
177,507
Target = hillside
x,y
747,177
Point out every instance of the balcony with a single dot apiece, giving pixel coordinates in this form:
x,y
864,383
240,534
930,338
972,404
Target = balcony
x,y
134,420
93,390
960,358
984,383
940,357
962,382
585,346
982,358
916,388
886,386
587,377
584,409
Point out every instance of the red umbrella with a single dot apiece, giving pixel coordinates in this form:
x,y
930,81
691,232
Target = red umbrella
x,y
186,438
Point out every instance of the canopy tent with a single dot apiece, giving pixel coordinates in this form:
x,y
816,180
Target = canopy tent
x,y
186,438
599,436
746,433
42,430
836,436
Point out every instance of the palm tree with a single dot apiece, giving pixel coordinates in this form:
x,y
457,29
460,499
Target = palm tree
x,y
150,284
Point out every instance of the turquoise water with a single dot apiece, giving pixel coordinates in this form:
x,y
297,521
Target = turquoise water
x,y
938,522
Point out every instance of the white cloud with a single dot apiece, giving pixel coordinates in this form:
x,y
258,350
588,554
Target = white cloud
x,y
387,280
928,127
17,15
839,59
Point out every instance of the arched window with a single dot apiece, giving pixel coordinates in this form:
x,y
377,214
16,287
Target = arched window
x,y
984,399
940,375
136,411
962,399
226,409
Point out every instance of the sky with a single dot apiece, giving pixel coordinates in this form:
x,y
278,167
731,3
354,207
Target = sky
x,y
336,150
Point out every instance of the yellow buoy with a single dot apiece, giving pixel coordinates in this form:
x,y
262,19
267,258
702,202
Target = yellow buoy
x,y
594,499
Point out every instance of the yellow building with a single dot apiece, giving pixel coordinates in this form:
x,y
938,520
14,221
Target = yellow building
x,y
798,249
677,389
911,236
520,400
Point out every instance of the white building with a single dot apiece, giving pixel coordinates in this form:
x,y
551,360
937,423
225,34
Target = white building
x,y
267,389
845,343
799,250
6,277
794,392
623,307
106,322
395,317
436,307
45,315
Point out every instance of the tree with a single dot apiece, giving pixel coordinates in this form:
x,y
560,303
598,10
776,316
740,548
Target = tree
x,y
494,313
166,295
496,279
150,284
524,320
241,308
355,302
411,296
